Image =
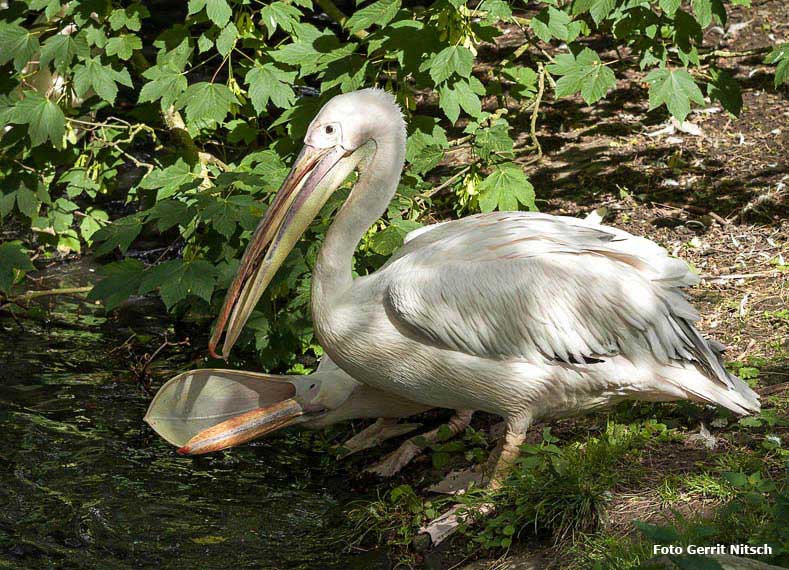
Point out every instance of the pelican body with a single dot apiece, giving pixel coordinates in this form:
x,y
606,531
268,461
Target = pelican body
x,y
524,315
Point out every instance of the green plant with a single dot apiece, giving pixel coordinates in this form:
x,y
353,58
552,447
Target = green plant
x,y
131,121
563,490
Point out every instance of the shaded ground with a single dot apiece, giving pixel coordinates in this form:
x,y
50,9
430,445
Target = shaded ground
x,y
719,201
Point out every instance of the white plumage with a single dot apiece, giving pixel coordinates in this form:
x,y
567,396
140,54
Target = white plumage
x,y
519,314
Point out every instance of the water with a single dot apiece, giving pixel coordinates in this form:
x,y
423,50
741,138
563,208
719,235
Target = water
x,y
84,483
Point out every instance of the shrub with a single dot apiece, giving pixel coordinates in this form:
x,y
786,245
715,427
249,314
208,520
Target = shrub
x,y
126,120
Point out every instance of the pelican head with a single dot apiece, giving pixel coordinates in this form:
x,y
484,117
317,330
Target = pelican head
x,y
347,132
208,410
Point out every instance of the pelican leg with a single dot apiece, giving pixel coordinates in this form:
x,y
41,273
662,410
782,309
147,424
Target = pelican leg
x,y
373,436
503,460
403,455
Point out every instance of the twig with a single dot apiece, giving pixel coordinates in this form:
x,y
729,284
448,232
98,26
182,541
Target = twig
x,y
726,53
774,389
719,218
737,276
46,292
535,111
156,352
447,182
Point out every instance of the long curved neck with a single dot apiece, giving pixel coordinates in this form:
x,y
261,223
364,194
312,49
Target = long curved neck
x,y
378,178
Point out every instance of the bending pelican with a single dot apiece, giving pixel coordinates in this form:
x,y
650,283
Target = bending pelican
x,y
207,410
523,315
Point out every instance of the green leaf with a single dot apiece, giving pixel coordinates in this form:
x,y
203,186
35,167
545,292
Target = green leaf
x,y
121,281
123,46
493,139
120,233
44,118
496,10
390,239
780,57
169,180
169,213
269,83
226,40
554,23
93,221
674,88
177,279
440,459
585,74
504,188
14,263
525,79
469,91
706,9
27,202
204,43
282,15
166,82
379,13
99,77
669,6
725,89
208,102
657,534
16,44
62,48
130,18
453,59
218,11
600,9
449,102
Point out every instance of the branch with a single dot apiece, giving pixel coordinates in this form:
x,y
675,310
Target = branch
x,y
534,114
745,53
177,127
447,182
27,296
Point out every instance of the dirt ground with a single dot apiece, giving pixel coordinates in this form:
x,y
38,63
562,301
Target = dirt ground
x,y
716,196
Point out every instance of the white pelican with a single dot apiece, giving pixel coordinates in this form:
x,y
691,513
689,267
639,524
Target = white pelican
x,y
523,315
206,410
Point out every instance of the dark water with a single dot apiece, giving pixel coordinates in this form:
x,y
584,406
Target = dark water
x,y
84,483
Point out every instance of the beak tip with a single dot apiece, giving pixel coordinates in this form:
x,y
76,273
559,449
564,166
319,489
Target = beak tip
x,y
212,351
185,450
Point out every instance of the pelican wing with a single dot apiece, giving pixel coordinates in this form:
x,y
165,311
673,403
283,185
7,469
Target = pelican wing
x,y
531,286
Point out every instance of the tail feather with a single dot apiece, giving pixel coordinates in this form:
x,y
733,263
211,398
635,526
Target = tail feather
x,y
721,386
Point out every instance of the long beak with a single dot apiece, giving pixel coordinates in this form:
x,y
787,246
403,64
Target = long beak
x,y
244,428
288,217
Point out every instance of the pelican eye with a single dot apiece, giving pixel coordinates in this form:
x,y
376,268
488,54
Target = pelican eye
x,y
329,129
312,386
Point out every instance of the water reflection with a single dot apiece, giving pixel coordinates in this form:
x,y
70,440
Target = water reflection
x,y
84,483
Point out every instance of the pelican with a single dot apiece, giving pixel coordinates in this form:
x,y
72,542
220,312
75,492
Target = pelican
x,y
525,315
206,410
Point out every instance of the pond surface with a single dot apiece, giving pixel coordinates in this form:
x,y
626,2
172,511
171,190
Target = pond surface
x,y
85,483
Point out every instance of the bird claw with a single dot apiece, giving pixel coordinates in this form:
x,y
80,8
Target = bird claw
x,y
395,461
373,436
441,528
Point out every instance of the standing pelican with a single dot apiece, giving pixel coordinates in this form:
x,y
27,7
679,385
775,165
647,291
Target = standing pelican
x,y
523,315
207,410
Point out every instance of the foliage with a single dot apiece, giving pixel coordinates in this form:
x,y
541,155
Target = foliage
x,y
563,490
127,123
756,513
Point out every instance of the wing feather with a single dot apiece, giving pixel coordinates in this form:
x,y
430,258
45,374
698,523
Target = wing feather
x,y
519,285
